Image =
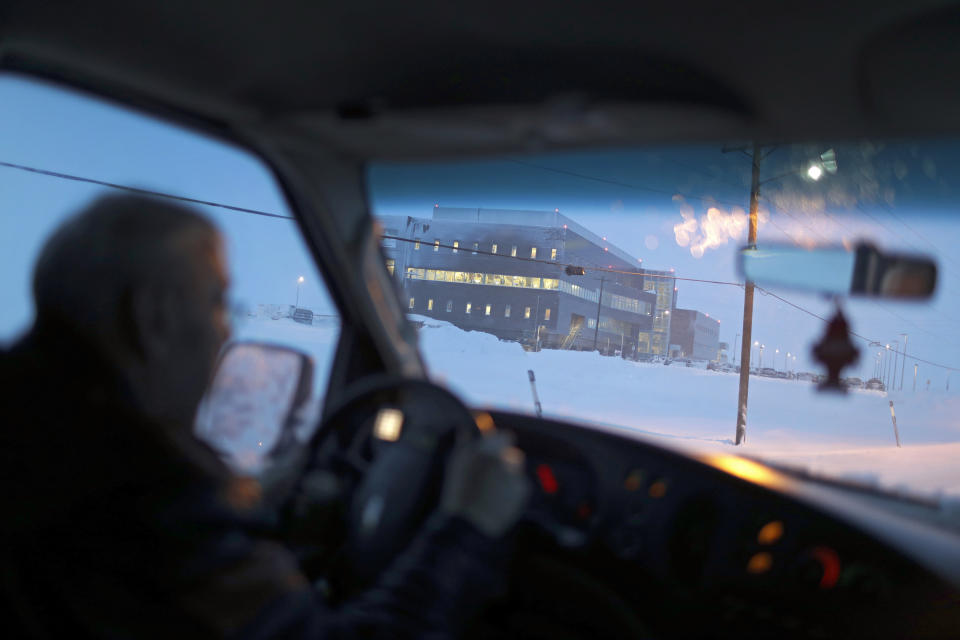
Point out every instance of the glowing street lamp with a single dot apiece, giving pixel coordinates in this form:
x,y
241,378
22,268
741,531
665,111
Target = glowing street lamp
x,y
299,282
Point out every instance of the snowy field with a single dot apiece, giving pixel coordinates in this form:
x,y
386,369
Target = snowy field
x,y
848,436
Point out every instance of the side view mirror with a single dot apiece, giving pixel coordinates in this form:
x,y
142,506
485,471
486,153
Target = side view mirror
x,y
864,271
250,411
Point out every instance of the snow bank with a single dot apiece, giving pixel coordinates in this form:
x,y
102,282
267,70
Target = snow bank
x,y
788,421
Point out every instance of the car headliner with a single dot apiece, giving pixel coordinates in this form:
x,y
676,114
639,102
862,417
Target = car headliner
x,y
398,79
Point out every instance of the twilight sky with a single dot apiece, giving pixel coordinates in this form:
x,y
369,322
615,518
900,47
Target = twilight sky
x,y
678,207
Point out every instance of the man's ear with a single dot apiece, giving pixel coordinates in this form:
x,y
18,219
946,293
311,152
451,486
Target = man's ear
x,y
152,313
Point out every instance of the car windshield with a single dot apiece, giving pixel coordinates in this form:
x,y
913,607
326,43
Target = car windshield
x,y
647,337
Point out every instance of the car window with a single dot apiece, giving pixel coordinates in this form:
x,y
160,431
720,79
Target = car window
x,y
610,278
59,150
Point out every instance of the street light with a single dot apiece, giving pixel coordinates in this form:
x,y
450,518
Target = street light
x,y
826,163
299,282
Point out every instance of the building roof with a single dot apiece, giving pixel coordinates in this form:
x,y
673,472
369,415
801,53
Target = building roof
x,y
547,219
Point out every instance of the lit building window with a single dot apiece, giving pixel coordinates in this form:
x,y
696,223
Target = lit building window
x,y
546,313
476,245
493,249
506,311
513,251
487,309
533,252
456,244
526,312
430,304
591,323
553,254
449,306
436,245
469,306
411,303
391,265
416,244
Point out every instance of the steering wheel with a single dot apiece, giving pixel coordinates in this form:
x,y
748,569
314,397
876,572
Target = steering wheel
x,y
387,442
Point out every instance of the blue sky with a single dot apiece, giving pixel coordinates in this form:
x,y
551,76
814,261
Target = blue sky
x,y
640,218
901,195
48,128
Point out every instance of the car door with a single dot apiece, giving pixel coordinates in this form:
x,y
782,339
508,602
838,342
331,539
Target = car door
x,y
63,149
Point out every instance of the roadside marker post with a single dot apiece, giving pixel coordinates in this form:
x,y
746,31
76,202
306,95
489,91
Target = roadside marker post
x,y
893,416
533,388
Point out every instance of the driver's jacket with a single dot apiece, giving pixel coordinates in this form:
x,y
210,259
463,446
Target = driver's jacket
x,y
113,527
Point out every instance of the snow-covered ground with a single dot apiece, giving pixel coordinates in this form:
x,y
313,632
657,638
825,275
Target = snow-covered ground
x,y
849,436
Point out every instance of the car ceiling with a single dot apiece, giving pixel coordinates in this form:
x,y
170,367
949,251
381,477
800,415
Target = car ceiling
x,y
390,80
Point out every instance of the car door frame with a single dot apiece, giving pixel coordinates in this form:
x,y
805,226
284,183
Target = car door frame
x,y
324,190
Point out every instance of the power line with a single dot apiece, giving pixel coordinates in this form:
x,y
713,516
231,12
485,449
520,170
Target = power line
x,y
672,277
853,333
645,273
145,192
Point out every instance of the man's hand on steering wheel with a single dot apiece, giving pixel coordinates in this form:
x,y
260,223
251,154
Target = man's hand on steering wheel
x,y
485,485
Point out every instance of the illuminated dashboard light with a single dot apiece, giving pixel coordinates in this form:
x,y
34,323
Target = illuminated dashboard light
x,y
745,469
634,480
759,563
830,562
548,481
658,489
484,421
770,533
388,424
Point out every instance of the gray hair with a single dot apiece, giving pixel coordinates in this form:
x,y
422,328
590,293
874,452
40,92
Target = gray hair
x,y
100,255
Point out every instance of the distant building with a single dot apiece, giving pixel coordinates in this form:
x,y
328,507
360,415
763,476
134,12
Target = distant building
x,y
501,271
694,335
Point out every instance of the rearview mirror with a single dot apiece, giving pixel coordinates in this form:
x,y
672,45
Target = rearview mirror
x,y
249,412
863,271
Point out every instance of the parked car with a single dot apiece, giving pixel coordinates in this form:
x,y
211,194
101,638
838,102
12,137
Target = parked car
x,y
875,384
853,383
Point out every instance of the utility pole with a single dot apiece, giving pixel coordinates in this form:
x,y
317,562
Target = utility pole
x,y
596,329
748,301
896,355
904,364
915,365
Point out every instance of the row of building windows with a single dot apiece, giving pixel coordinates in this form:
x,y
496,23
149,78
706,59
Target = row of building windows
x,y
494,248
611,300
487,308
469,277
615,301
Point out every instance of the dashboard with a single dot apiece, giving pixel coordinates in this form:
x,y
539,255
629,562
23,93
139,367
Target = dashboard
x,y
718,546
